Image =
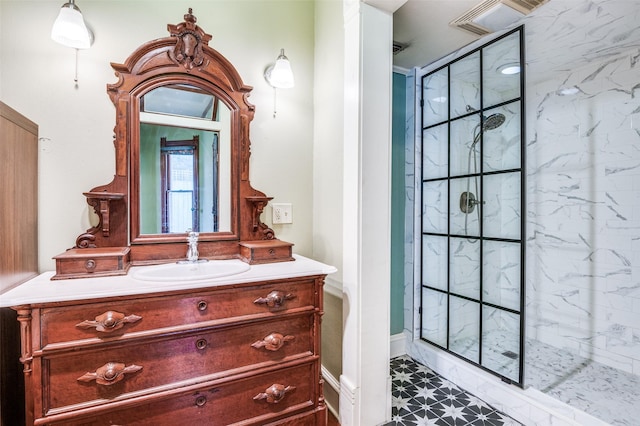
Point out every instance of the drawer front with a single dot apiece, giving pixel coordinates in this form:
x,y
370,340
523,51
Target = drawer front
x,y
112,320
88,262
260,400
95,376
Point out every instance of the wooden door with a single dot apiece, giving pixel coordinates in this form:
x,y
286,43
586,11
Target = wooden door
x,y
18,245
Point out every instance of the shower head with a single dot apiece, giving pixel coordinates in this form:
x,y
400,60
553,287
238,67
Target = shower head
x,y
493,121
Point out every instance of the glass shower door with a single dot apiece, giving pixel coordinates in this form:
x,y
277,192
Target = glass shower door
x,y
472,253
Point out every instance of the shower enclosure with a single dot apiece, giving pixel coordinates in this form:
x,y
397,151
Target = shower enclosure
x,y
472,250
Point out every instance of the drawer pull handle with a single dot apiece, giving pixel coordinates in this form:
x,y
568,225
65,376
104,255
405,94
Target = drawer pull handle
x,y
202,305
90,265
109,321
275,299
201,400
201,344
110,373
272,342
274,394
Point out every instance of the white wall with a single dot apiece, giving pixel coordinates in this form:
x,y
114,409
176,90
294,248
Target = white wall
x,y
365,397
327,180
328,136
76,124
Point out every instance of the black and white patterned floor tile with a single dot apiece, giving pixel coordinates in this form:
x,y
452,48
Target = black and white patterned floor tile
x,y
422,397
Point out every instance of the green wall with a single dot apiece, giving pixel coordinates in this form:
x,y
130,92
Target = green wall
x,y
150,188
397,202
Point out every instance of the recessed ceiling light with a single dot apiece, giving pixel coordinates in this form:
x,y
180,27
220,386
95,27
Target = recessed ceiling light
x,y
440,99
509,69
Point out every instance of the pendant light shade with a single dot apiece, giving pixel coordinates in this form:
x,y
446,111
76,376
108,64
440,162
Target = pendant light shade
x,y
69,28
280,75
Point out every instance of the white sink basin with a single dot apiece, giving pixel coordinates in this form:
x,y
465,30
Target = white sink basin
x,y
191,271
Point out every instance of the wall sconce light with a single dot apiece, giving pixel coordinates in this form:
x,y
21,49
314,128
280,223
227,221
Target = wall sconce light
x,y
279,76
69,28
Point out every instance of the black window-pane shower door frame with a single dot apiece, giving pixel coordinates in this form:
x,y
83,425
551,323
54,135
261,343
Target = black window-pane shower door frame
x,y
480,238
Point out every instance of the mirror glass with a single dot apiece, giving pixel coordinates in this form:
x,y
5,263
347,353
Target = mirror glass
x,y
185,161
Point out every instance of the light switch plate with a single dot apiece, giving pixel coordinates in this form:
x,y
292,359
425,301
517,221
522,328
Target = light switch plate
x,y
281,213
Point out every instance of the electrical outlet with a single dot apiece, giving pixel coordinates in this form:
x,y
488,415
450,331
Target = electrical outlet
x,y
281,213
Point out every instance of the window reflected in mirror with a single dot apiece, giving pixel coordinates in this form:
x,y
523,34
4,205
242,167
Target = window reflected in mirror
x,y
180,185
183,100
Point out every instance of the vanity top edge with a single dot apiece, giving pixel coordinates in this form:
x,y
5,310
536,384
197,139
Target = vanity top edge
x,y
41,289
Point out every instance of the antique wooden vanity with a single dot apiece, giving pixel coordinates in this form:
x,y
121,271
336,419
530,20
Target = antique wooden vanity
x,y
105,342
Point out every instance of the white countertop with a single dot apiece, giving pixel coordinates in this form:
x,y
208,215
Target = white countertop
x,y
42,289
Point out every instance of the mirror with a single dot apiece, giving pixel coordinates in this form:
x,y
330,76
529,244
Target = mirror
x,y
185,161
182,152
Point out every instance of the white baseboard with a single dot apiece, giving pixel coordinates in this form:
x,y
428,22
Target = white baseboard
x,y
334,384
398,345
330,379
349,403
333,287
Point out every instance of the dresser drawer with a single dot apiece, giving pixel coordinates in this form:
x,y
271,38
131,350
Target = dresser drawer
x,y
137,314
259,400
94,376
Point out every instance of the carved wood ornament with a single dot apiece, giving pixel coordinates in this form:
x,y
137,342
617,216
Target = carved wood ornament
x,y
110,373
183,58
274,393
109,321
188,51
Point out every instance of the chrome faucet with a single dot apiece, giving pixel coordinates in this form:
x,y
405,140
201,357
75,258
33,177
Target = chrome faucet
x,y
192,251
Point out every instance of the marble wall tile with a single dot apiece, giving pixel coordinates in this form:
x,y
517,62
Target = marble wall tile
x,y
413,150
462,131
501,274
435,160
434,261
596,31
434,206
465,85
435,94
501,208
434,320
464,267
583,160
501,147
499,87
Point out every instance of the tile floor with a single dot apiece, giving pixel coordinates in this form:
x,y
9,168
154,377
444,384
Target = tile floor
x,y
422,397
604,392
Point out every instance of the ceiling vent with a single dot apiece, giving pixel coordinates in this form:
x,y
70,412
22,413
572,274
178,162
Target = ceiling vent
x,y
398,47
494,15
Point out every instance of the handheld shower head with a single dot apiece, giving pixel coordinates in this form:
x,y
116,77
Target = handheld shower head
x,y
493,121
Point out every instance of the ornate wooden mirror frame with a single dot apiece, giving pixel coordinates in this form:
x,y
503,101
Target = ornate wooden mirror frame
x,y
183,58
